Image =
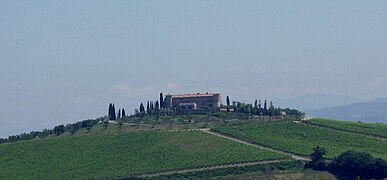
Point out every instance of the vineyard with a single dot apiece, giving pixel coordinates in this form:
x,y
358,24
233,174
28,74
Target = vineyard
x,y
301,139
379,129
123,154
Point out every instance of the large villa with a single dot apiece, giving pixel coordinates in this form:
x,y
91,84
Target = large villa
x,y
194,102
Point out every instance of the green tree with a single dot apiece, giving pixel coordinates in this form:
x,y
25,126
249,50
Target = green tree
x,y
359,164
161,100
318,159
72,128
157,110
148,107
119,114
228,103
113,113
105,124
58,130
123,113
110,111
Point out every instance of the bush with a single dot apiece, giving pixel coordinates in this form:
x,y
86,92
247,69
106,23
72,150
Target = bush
x,y
358,164
318,159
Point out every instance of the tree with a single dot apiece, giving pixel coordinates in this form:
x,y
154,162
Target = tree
x,y
228,103
359,164
142,109
318,159
110,111
113,113
119,114
148,107
152,107
161,100
265,105
59,129
89,126
72,128
157,110
123,113
105,124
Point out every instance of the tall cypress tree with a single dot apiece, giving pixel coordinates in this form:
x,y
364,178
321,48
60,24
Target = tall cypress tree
x,y
157,109
161,100
228,104
113,113
123,113
110,111
119,114
142,109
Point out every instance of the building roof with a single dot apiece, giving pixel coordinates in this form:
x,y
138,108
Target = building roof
x,y
193,95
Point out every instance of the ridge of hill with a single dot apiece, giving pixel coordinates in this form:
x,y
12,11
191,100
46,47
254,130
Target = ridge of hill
x,y
367,111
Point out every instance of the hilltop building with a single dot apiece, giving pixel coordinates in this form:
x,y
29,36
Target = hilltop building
x,y
194,102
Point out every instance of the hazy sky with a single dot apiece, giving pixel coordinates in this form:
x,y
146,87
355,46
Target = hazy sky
x,y
64,61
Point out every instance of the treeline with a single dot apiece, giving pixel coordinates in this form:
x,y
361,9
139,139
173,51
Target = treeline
x,y
112,112
352,164
260,108
152,107
57,130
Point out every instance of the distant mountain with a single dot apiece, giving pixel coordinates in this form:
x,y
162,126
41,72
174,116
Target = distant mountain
x,y
368,111
317,101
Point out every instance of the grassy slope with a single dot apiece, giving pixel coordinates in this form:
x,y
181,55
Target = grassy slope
x,y
120,154
375,129
301,139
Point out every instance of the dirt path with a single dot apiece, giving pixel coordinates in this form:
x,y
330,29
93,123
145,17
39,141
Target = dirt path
x,y
294,156
340,130
183,171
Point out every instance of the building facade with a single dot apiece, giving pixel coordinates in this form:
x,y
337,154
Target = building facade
x,y
206,101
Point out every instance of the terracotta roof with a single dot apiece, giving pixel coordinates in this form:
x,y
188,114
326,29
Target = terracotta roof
x,y
193,95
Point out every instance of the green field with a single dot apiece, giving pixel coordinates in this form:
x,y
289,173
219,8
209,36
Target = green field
x,y
122,154
375,129
301,139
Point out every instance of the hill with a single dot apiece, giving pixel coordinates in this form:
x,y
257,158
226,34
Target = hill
x,y
101,155
187,147
369,111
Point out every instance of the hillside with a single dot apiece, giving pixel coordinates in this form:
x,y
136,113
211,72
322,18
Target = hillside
x,y
160,148
369,111
99,155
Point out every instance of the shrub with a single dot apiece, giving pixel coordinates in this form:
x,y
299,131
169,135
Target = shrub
x,y
359,164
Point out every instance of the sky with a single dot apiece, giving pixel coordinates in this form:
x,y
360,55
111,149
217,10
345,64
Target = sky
x,y
65,61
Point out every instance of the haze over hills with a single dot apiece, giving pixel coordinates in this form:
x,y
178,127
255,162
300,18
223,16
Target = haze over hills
x,y
367,111
317,101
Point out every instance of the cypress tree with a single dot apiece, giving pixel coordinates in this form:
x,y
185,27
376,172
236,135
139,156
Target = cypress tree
x,y
113,113
161,100
157,109
110,111
123,112
142,109
119,114
228,104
